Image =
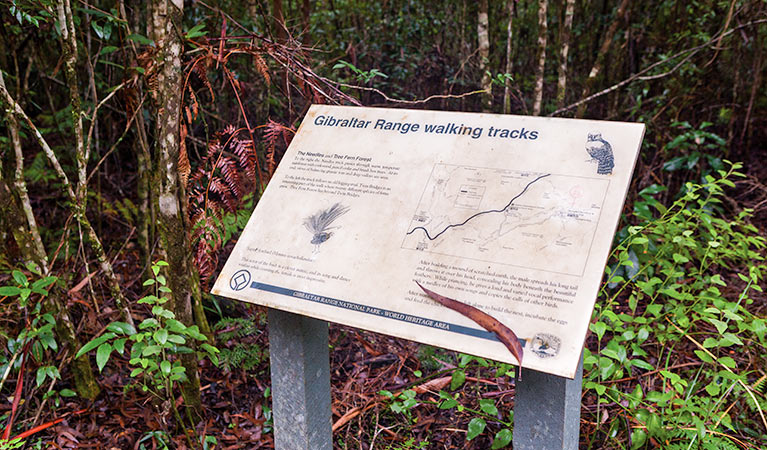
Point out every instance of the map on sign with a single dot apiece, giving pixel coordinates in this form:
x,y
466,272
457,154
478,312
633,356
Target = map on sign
x,y
511,215
546,214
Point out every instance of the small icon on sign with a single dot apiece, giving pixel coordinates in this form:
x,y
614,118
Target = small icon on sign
x,y
239,280
546,345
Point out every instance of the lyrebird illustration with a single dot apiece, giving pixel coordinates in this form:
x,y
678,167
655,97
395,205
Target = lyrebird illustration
x,y
319,223
602,152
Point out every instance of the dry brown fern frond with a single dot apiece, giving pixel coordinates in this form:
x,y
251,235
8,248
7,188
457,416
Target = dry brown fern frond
x,y
184,168
200,70
262,68
276,136
224,175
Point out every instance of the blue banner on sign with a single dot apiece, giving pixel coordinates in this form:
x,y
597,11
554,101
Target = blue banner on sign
x,y
460,329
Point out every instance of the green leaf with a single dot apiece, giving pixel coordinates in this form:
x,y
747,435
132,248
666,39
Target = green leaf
x,y
102,355
121,328
108,49
385,393
43,282
457,380
139,39
40,378
704,356
448,401
599,329
159,311
713,389
94,343
720,326
727,362
502,439
194,333
655,425
211,350
176,339
600,388
196,31
8,291
606,368
679,259
67,393
638,438
165,367
148,322
150,350
476,427
488,407
161,336
730,339
642,364
119,345
20,278
654,309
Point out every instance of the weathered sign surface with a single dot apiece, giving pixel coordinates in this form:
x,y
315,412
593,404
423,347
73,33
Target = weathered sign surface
x,y
512,215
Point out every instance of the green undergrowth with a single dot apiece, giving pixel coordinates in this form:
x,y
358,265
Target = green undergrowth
x,y
679,360
677,350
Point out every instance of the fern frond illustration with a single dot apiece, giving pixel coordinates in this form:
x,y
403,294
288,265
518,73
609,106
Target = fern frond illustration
x,y
319,223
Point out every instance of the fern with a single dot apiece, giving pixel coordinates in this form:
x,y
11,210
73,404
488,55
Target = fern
x,y
242,356
275,135
237,327
241,333
759,388
218,187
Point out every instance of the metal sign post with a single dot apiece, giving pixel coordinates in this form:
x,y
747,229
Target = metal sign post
x,y
300,366
547,411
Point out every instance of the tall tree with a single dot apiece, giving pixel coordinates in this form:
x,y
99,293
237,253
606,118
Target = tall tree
x,y
172,218
509,63
78,194
483,39
566,27
596,69
539,70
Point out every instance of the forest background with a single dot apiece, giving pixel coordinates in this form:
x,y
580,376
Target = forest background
x,y
136,138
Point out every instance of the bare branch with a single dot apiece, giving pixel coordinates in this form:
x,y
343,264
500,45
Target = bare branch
x,y
640,75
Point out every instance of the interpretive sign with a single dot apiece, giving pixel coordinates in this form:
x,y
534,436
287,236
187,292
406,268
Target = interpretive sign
x,y
512,215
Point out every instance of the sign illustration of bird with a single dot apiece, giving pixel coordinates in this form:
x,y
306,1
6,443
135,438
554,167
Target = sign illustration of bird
x,y
319,224
601,151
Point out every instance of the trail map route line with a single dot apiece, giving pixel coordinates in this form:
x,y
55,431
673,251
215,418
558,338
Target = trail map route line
x,y
477,214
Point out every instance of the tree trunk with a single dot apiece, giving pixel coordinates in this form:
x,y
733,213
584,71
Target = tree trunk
x,y
564,43
539,70
69,45
483,39
509,66
599,62
173,225
77,195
